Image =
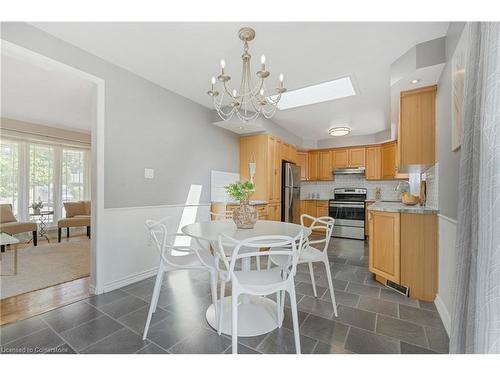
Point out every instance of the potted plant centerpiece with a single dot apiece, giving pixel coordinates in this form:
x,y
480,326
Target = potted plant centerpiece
x,y
37,206
245,216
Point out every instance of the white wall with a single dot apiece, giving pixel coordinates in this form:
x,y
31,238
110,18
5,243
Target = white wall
x,y
448,182
129,255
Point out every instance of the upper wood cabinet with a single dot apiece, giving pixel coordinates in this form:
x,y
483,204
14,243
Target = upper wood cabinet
x,y
357,157
417,127
302,162
388,160
325,166
384,244
268,152
340,158
313,163
348,157
373,163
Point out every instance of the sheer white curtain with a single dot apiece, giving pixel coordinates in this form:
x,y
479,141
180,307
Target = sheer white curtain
x,y
476,313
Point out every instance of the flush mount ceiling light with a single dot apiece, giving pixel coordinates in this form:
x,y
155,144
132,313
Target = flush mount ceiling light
x,y
414,81
249,101
322,92
339,131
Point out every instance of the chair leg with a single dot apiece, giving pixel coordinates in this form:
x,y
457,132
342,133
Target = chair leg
x,y
67,232
213,291
88,231
35,238
221,306
330,285
278,308
59,230
295,317
154,300
234,325
2,248
311,273
160,283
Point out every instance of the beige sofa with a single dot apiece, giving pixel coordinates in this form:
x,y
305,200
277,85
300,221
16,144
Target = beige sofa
x,y
77,215
10,225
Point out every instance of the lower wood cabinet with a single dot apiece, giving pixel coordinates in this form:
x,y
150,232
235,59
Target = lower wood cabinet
x,y
384,253
274,211
314,208
403,248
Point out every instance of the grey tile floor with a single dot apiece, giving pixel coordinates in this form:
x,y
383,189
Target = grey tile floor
x,y
372,318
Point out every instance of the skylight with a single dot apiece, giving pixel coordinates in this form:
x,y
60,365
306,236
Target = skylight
x,y
322,92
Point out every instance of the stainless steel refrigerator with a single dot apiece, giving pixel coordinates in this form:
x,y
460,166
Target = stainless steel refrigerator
x,y
290,195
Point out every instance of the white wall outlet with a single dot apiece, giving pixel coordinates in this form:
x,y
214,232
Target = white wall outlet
x,y
149,173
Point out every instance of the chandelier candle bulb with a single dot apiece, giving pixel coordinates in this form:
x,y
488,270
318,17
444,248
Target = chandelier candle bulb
x,y
263,62
222,65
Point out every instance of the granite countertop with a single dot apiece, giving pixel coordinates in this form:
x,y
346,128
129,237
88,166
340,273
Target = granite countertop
x,y
400,207
252,202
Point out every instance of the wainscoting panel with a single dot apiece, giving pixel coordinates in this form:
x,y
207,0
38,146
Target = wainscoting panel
x,y
127,254
447,263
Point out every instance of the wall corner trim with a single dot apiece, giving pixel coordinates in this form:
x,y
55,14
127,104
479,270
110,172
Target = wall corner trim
x,y
443,313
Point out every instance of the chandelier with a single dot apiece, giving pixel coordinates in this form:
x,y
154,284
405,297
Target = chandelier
x,y
249,101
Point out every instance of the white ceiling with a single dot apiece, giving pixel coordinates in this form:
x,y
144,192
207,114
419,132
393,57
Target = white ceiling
x,y
35,92
183,56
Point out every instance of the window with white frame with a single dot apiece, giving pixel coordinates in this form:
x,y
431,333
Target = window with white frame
x,y
42,172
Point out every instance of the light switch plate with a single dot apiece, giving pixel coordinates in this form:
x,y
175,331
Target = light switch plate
x,y
149,173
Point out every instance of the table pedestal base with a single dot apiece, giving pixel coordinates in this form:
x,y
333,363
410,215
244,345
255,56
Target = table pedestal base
x,y
256,316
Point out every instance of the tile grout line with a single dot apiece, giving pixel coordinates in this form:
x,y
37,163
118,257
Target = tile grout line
x,y
29,334
62,338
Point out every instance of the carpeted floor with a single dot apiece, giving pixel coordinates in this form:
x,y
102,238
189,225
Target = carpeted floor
x,y
45,265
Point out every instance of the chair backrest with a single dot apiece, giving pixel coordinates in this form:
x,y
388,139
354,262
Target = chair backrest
x,y
251,247
6,214
224,215
322,224
159,234
76,208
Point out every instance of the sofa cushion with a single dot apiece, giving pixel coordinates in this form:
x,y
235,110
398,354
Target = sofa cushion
x,y
17,227
6,214
74,208
77,221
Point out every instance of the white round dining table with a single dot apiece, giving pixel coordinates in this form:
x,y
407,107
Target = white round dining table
x,y
256,314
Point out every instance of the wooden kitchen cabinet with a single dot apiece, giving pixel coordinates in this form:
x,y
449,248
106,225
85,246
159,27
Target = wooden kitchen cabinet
x,y
389,160
321,208
348,157
403,248
419,255
356,157
313,163
302,162
340,158
373,163
325,166
274,211
417,128
384,245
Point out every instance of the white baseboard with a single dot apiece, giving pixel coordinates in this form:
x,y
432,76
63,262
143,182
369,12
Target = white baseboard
x,y
129,280
443,313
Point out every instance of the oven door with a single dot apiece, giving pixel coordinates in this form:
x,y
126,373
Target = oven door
x,y
348,213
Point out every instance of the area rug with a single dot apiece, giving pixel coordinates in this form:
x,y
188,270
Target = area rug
x,y
44,265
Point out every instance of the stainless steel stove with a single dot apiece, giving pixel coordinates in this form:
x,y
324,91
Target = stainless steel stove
x,y
348,210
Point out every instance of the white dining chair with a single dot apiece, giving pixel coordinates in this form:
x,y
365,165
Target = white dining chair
x,y
312,254
259,282
193,258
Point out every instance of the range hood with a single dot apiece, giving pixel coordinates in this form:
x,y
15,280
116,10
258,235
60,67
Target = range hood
x,y
356,170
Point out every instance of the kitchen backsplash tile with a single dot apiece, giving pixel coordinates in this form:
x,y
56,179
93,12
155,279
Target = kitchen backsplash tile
x,y
325,188
431,176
